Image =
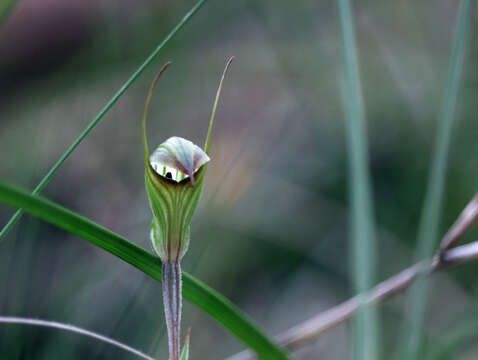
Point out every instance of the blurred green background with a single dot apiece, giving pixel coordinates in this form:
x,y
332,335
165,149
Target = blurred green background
x,y
271,232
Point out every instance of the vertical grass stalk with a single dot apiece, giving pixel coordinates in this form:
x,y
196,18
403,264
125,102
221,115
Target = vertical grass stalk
x,y
430,218
362,225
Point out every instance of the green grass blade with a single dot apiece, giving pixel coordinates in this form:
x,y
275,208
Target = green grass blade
x,y
103,112
194,290
362,226
430,218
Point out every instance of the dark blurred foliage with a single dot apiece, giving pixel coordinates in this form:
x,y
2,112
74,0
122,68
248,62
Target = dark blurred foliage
x,y
271,231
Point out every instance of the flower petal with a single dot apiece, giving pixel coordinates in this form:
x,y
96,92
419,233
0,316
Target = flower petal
x,y
179,154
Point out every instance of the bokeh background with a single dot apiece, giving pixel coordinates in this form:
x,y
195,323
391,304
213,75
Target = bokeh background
x,y
271,232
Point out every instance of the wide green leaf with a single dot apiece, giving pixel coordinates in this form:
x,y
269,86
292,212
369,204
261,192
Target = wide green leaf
x,y
194,290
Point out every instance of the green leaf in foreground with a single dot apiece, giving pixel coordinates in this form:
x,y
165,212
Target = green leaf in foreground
x,y
194,290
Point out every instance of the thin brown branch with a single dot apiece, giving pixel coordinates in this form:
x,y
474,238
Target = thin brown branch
x,y
72,328
467,218
311,329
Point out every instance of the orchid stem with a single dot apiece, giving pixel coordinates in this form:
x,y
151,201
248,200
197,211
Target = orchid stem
x,y
172,299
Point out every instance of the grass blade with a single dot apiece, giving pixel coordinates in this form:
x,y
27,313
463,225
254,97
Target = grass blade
x,y
430,218
102,113
362,227
194,290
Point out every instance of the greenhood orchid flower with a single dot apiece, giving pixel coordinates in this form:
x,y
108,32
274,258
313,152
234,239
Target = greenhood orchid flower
x,y
174,193
174,177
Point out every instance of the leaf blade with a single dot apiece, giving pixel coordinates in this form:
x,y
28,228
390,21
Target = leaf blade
x,y
194,290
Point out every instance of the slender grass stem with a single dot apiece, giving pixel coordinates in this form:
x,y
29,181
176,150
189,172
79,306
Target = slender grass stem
x,y
362,225
102,113
72,328
430,218
172,298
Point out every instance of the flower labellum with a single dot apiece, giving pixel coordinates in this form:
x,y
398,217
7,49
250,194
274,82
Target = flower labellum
x,y
179,158
174,177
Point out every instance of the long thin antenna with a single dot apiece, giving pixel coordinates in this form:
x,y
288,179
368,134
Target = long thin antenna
x,y
146,108
213,114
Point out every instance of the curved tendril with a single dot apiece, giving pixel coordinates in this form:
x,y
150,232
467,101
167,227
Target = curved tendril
x,y
213,114
145,112
74,329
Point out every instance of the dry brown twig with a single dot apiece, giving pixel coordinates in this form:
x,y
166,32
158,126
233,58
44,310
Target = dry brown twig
x,y
313,328
465,221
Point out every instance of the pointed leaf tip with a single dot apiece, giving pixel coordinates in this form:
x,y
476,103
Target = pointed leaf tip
x,y
185,352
